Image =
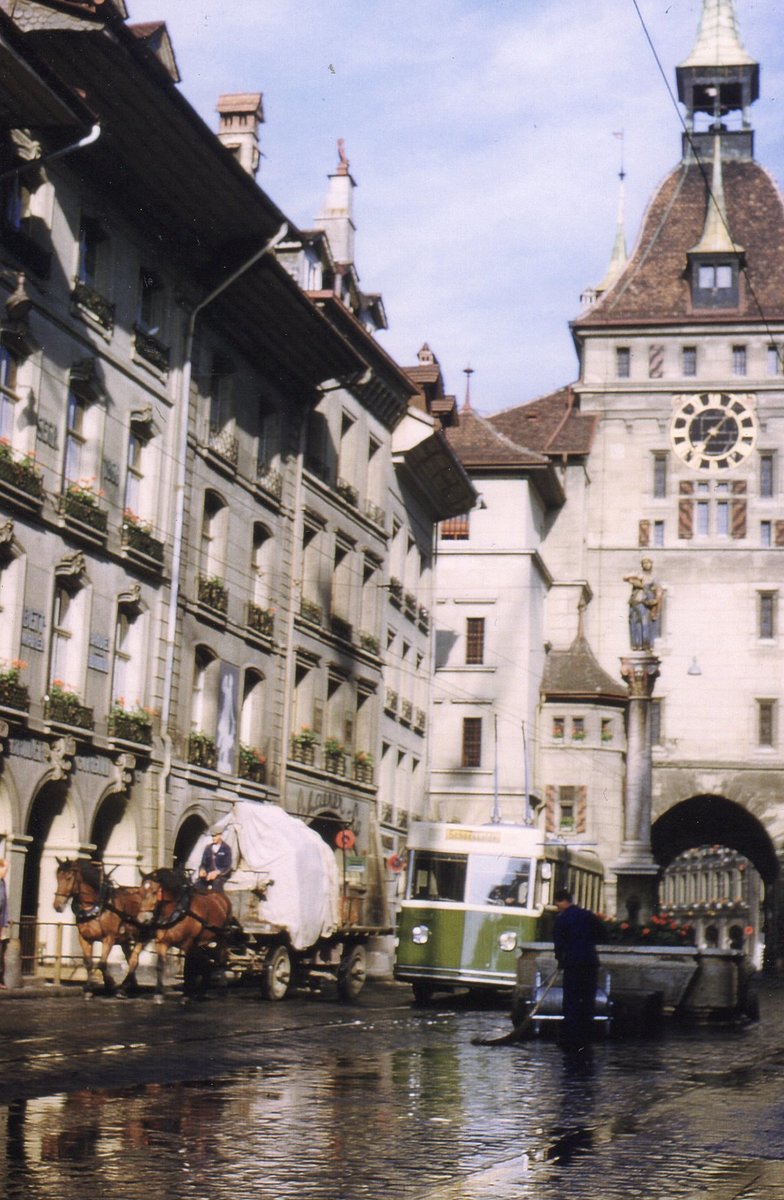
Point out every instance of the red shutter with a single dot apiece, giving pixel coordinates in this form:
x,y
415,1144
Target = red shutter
x,y
549,809
644,533
581,816
685,510
738,509
778,533
655,362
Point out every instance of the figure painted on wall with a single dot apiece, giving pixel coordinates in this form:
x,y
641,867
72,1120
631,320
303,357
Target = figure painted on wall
x,y
227,720
645,605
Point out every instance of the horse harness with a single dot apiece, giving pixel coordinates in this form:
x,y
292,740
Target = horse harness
x,y
180,911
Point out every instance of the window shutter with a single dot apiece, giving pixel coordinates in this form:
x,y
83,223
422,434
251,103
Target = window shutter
x,y
549,809
644,533
655,362
581,817
685,510
778,533
738,509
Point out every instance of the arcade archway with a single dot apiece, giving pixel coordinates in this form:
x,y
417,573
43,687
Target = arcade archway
x,y
713,836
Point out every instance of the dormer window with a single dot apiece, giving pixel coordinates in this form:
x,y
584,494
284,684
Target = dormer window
x,y
715,284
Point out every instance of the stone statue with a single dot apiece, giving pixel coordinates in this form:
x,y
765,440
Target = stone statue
x,y
645,605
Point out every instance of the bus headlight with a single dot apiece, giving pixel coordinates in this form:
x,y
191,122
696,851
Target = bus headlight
x,y
507,941
420,934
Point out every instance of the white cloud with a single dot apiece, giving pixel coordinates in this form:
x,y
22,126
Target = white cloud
x,y
480,133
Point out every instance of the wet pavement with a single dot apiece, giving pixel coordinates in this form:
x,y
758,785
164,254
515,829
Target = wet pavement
x,y
240,1098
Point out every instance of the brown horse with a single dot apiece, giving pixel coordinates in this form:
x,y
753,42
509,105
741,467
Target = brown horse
x,y
195,921
105,913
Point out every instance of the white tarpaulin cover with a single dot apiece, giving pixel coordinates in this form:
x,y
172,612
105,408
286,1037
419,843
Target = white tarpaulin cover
x,y
269,846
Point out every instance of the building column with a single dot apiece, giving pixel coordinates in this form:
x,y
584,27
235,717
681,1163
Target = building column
x,y
636,870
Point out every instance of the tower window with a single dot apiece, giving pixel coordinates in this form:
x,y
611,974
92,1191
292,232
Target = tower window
x,y
766,476
623,362
715,285
767,615
659,476
766,712
774,360
738,360
689,360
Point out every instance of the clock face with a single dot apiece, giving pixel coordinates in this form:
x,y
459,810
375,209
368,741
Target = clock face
x,y
713,431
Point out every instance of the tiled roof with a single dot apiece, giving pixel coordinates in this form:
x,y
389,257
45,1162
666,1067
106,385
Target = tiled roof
x,y
653,287
479,444
575,674
551,425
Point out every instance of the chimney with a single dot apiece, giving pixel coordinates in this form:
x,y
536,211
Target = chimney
x,y
240,117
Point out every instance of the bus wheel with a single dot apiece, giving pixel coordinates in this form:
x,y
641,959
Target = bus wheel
x,y
423,992
276,978
352,973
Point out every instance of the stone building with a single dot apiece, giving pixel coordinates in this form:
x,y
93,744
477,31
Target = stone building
x,y
669,444
216,549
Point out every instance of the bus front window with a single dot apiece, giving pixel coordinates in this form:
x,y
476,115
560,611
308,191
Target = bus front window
x,y
499,880
436,876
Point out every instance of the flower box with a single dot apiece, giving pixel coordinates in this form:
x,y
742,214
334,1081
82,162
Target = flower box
x,y
309,611
303,752
65,708
252,765
13,694
98,307
20,473
335,762
212,592
80,504
130,726
363,771
347,492
202,751
261,620
151,350
369,642
139,537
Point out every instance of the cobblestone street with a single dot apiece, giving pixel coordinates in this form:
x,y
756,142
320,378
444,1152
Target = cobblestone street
x,y
306,1098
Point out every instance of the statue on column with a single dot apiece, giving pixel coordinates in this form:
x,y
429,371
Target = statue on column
x,y
645,605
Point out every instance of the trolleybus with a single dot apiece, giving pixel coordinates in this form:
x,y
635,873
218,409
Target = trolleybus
x,y
474,894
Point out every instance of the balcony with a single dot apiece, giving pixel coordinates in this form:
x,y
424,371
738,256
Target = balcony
x,y
391,700
260,620
137,536
363,767
132,726
369,642
375,513
223,443
406,712
303,748
420,721
347,492
78,503
334,758
269,481
396,592
310,611
212,592
151,351
65,708
20,475
252,765
202,751
93,304
411,606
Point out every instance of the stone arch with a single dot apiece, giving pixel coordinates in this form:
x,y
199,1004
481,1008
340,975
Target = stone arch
x,y
707,820
115,837
193,827
53,831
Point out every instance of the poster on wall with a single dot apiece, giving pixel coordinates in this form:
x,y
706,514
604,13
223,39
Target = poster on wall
x,y
226,733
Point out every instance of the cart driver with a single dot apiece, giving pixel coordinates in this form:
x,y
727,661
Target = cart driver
x,y
215,863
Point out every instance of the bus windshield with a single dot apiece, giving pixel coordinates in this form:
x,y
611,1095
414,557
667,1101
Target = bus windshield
x,y
499,880
434,876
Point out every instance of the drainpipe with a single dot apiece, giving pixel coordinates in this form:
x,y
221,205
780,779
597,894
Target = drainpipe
x,y
179,521
87,140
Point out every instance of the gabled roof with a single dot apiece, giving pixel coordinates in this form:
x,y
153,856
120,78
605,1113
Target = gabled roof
x,y
479,444
552,425
574,674
654,286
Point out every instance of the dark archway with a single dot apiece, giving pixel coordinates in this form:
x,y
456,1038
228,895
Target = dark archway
x,y
188,834
713,820
48,804
716,821
107,819
327,825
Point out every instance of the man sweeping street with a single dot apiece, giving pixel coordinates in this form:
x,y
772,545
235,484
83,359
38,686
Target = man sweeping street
x,y
577,930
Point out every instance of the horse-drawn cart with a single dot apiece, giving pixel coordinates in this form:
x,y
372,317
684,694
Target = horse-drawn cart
x,y
296,922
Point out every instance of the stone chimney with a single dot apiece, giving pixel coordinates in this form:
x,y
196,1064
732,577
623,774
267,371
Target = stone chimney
x,y
336,218
240,117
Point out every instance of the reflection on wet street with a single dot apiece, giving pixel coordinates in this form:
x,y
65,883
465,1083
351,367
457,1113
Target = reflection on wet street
x,y
397,1102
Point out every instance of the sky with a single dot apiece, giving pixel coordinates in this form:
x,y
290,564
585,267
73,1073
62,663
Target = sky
x,y
482,137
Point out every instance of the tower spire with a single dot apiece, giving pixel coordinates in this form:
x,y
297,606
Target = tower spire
x,y
718,41
468,372
619,256
716,237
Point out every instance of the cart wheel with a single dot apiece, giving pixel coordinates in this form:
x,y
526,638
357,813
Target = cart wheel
x,y
352,973
423,992
276,979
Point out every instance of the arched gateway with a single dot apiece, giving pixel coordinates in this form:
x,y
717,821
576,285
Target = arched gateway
x,y
710,820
